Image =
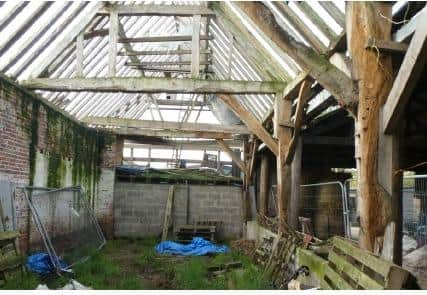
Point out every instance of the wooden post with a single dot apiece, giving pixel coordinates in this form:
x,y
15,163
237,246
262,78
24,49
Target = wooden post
x,y
168,213
195,47
113,35
282,117
264,187
294,203
79,55
374,75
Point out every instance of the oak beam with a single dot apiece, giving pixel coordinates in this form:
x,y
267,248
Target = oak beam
x,y
224,147
303,97
264,186
250,121
407,78
386,46
174,38
195,47
158,10
165,125
152,85
132,133
79,55
329,76
163,52
113,35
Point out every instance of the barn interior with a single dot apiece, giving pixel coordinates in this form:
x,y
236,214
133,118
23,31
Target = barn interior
x,y
291,135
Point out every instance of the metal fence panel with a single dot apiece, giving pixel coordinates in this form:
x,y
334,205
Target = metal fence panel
x,y
7,206
66,226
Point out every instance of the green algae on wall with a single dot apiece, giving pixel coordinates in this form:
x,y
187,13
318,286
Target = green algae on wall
x,y
65,140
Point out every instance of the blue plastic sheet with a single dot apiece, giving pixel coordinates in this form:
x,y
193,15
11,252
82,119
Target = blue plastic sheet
x,y
197,247
41,264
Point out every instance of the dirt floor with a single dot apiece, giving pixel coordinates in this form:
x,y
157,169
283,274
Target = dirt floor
x,y
133,264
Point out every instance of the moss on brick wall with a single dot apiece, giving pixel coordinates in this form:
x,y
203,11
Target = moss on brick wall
x,y
64,140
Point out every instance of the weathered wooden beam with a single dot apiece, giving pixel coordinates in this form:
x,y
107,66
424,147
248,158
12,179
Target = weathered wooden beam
x,y
208,145
163,52
79,55
282,114
157,10
225,148
164,63
152,85
317,20
386,46
165,160
169,69
135,132
195,47
95,33
128,47
264,185
407,78
329,76
320,108
113,35
165,125
303,97
295,197
334,12
250,121
290,91
175,102
175,38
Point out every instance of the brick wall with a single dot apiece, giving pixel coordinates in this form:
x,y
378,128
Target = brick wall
x,y
139,208
15,138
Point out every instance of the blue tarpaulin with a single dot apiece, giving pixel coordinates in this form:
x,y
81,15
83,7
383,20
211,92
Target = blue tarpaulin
x,y
197,247
41,264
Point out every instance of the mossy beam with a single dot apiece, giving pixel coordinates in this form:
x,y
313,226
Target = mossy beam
x,y
329,76
153,85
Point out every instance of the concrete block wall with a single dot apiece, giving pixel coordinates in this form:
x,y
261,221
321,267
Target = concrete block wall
x,y
139,208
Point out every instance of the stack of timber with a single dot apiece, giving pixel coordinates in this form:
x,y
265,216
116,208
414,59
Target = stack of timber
x,y
244,246
186,233
263,252
268,222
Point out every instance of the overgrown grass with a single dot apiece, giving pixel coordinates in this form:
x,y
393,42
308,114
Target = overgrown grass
x,y
133,263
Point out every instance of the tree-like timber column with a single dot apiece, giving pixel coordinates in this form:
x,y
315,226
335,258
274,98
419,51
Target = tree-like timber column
x,y
373,72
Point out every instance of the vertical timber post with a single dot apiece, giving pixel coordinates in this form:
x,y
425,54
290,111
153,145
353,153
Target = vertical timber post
x,y
294,201
282,117
113,33
195,47
79,55
264,187
376,155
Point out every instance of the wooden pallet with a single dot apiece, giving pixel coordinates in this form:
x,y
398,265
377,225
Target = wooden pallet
x,y
186,233
350,267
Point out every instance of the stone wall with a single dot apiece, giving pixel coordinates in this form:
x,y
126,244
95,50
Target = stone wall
x,y
139,208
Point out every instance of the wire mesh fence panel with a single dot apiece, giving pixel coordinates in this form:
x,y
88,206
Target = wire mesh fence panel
x,y
414,211
325,205
63,224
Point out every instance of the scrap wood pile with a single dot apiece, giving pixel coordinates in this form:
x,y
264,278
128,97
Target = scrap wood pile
x,y
246,247
277,256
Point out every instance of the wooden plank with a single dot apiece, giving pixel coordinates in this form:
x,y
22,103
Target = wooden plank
x,y
113,35
363,256
168,213
79,55
195,47
174,38
176,102
250,121
165,125
96,33
353,272
152,85
407,77
127,47
165,63
158,10
336,279
225,148
329,76
334,12
303,97
135,133
167,160
169,69
386,46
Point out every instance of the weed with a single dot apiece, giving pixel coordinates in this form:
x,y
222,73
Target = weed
x,y
28,281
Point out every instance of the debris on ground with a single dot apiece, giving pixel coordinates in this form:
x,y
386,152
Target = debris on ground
x,y
197,247
244,246
416,263
224,267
